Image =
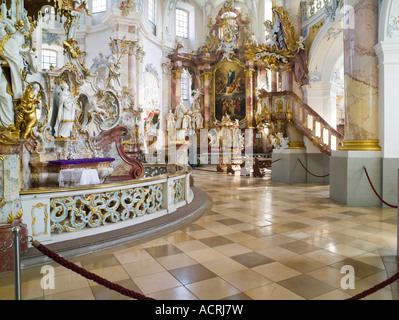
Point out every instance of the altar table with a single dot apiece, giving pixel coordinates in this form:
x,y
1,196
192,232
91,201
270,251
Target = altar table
x,y
78,177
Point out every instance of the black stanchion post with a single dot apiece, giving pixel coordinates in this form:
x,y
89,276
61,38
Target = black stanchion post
x,y
17,263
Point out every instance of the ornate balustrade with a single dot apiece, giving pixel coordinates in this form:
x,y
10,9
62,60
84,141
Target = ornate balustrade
x,y
315,9
70,213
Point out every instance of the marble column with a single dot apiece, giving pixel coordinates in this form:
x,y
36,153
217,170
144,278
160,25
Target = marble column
x,y
361,148
207,99
176,88
361,75
250,72
273,79
132,72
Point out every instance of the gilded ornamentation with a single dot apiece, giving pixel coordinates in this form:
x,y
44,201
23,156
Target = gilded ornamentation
x,y
12,217
78,212
39,210
178,191
26,120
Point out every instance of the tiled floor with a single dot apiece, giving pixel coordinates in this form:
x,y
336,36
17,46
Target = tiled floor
x,y
261,240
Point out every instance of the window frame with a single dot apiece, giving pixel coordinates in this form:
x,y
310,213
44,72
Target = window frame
x,y
185,85
50,62
102,7
185,34
152,15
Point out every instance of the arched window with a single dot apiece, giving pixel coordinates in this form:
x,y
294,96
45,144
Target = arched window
x,y
182,23
152,17
98,6
49,58
185,85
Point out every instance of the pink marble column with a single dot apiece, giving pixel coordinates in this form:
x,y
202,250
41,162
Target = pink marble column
x,y
273,79
207,99
361,75
250,97
176,88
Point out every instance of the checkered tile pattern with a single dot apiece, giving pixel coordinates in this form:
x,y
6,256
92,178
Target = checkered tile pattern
x,y
261,240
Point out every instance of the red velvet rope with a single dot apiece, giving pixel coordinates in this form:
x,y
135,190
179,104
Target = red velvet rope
x,y
375,288
87,274
375,191
327,175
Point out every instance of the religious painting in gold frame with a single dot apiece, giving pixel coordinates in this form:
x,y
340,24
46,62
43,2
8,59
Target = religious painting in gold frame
x,y
230,91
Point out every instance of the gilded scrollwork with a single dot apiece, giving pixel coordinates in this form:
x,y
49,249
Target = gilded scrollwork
x,y
178,190
78,212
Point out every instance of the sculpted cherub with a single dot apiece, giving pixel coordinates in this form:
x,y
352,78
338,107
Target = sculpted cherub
x,y
26,118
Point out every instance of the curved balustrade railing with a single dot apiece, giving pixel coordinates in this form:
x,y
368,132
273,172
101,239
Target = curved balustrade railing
x,y
313,8
54,215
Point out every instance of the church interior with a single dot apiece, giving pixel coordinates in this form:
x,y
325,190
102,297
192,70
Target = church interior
x,y
199,149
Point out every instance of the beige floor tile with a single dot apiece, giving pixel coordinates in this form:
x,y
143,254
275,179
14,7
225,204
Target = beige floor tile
x,y
178,294
329,275
277,253
223,266
256,244
345,250
232,249
205,255
325,256
156,282
67,282
276,271
176,261
132,255
192,245
212,289
302,263
336,295
113,274
245,280
272,292
78,294
142,268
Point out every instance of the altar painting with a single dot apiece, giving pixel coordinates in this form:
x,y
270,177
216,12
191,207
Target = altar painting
x,y
230,91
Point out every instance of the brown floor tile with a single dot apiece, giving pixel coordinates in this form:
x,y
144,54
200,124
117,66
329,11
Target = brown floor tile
x,y
252,259
215,241
193,273
306,286
162,251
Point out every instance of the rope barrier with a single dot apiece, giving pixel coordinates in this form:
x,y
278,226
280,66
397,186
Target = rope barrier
x,y
87,274
376,288
375,191
327,175
135,295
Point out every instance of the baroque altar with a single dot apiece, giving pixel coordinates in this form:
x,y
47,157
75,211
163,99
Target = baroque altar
x,y
75,118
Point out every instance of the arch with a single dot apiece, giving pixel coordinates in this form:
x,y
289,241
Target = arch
x,y
326,54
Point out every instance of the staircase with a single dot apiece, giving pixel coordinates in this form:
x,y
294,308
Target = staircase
x,y
323,136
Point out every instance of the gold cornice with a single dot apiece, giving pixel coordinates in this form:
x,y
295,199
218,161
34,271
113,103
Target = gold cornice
x,y
361,145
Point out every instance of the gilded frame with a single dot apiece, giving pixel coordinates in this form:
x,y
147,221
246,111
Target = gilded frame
x,y
230,92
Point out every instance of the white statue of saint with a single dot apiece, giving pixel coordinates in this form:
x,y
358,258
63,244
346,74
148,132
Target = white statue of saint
x,y
66,113
180,112
198,121
114,73
170,122
186,122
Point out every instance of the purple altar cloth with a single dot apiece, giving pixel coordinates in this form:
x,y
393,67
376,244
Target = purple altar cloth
x,y
80,161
